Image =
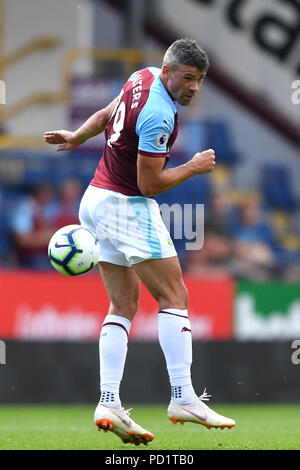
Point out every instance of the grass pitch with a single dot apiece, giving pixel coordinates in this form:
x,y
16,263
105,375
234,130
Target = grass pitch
x,y
259,427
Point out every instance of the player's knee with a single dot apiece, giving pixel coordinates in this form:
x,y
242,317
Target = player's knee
x,y
184,295
176,296
124,307
134,306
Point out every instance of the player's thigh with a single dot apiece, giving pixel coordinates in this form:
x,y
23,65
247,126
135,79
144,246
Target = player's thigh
x,y
163,278
123,288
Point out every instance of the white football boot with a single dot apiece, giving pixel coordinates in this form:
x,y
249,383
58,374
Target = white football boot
x,y
118,421
198,412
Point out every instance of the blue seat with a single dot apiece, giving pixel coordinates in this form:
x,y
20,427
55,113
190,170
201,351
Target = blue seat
x,y
276,187
219,138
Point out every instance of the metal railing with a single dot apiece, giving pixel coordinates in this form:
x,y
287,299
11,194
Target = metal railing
x,y
40,43
43,42
131,58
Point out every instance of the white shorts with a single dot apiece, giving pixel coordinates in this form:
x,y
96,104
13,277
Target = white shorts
x,y
129,228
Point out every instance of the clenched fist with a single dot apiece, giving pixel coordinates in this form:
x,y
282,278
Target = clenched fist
x,y
203,162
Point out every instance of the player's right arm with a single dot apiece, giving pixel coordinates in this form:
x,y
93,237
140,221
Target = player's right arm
x,y
95,124
153,179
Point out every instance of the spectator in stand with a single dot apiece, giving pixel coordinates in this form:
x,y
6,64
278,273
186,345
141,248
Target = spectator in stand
x,y
33,225
254,244
69,199
217,215
215,257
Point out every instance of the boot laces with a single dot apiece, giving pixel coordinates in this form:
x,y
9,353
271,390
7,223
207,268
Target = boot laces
x,y
127,412
204,396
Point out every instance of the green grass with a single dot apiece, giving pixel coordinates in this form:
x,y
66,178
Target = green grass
x,y
259,427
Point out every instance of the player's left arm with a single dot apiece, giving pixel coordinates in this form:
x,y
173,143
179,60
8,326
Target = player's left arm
x,y
152,176
95,124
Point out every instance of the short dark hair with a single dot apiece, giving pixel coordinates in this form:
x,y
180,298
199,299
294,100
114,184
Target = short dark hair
x,y
186,52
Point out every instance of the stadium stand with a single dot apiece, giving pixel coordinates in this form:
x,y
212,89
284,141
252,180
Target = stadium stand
x,y
269,227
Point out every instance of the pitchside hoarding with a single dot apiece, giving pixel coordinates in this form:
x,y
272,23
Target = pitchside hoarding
x,y
52,306
267,311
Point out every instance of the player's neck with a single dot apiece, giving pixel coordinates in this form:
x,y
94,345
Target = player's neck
x,y
163,81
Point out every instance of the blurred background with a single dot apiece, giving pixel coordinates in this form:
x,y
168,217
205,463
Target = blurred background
x,y
61,61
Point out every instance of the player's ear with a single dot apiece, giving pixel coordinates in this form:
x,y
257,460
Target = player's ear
x,y
166,70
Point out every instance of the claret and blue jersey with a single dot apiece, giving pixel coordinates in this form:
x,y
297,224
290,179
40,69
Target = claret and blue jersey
x,y
144,121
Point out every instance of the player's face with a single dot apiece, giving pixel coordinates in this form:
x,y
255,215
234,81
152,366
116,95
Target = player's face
x,y
184,83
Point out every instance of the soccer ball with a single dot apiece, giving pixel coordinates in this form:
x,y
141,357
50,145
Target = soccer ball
x,y
73,250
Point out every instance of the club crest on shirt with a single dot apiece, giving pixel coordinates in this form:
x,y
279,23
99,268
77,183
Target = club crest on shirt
x,y
170,241
161,139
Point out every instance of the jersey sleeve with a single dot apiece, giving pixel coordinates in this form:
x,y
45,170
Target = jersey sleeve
x,y
153,132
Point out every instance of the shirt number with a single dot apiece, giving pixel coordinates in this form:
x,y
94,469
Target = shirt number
x,y
119,119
